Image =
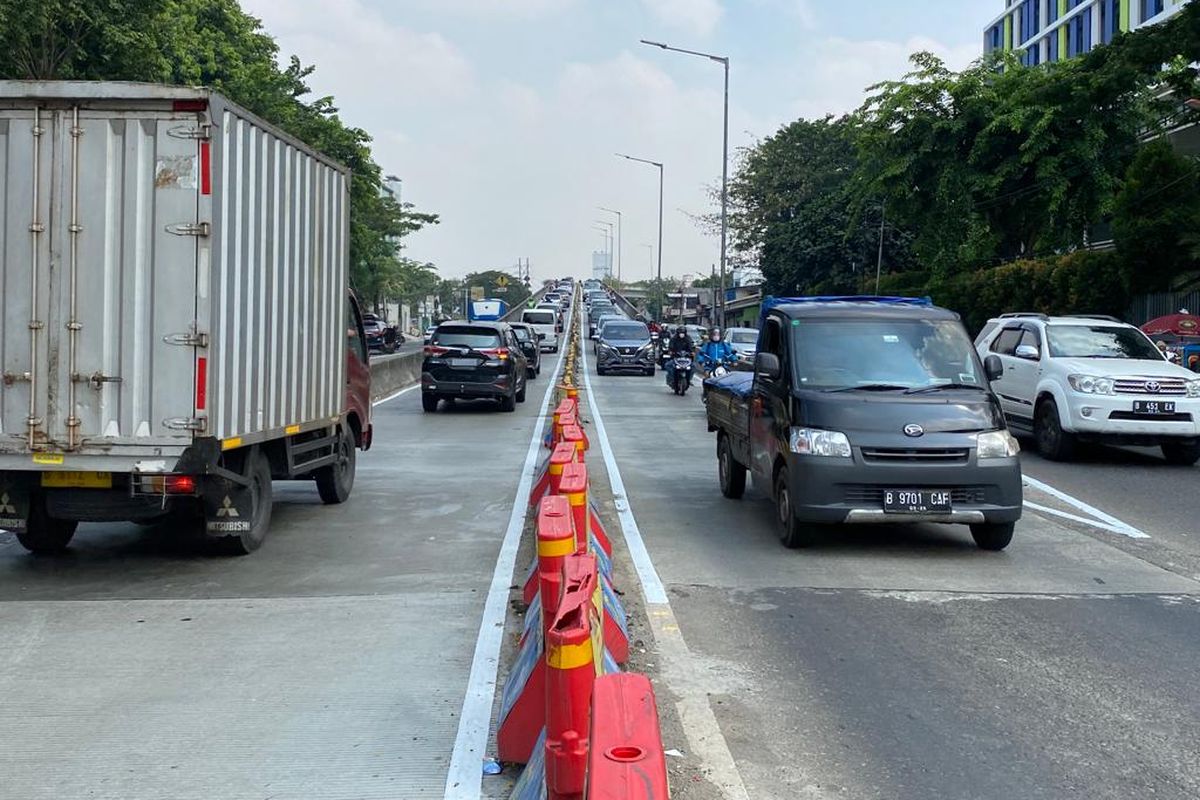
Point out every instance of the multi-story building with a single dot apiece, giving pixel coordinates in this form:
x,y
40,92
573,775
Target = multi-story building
x,y
1052,30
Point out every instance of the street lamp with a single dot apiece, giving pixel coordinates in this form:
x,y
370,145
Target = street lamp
x,y
724,62
618,213
660,202
607,230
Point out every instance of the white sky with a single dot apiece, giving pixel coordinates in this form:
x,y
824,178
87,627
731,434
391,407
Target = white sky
x,y
503,116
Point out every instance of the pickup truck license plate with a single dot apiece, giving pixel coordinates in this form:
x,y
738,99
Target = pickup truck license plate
x,y
77,480
916,501
1153,408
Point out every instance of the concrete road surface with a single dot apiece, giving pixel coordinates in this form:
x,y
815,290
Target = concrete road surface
x,y
902,662
330,664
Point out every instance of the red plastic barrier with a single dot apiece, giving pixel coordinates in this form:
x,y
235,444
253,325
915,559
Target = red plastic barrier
x,y
564,412
574,486
564,453
597,529
574,435
556,541
572,657
625,759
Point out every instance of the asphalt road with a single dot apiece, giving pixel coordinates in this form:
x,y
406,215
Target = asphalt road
x,y
330,664
903,662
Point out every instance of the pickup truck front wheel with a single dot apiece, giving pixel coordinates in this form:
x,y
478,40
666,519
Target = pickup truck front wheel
x,y
733,474
792,532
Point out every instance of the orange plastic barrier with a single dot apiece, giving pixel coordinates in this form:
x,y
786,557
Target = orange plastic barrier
x,y
625,758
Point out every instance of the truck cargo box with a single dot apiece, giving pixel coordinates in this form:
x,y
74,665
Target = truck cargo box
x,y
172,268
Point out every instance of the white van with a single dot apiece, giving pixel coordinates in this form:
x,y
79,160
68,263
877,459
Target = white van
x,y
545,322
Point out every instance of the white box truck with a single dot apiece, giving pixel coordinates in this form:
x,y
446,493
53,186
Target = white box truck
x,y
177,328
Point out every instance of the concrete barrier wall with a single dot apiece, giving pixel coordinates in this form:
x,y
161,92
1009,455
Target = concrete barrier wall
x,y
392,373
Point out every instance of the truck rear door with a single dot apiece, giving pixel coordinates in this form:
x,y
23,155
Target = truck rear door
x,y
99,254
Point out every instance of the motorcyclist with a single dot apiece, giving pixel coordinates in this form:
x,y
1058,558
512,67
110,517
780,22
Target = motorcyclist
x,y
715,351
680,346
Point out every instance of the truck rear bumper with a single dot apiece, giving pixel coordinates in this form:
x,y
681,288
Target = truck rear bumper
x,y
828,490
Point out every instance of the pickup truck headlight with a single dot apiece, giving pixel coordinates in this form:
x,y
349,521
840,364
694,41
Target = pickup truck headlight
x,y
810,442
1088,384
1193,388
997,444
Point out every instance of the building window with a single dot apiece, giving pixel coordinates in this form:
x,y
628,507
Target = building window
x,y
1030,19
1110,19
1052,40
1151,8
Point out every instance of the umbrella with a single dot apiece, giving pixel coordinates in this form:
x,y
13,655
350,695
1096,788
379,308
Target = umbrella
x,y
1181,324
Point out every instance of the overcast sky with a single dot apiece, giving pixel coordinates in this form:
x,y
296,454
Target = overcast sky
x,y
503,116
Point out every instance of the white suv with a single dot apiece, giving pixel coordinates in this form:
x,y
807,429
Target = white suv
x,y
1091,378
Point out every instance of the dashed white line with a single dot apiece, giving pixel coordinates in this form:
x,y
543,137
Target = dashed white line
x,y
464,779
394,395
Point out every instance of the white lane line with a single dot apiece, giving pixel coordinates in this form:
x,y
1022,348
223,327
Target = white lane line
x,y
464,780
394,395
1091,523
681,670
1110,522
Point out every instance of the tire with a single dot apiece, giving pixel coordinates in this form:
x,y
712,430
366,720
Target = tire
x,y
508,402
649,372
732,474
521,393
993,536
793,533
600,370
1053,443
44,535
429,402
335,481
262,496
1181,454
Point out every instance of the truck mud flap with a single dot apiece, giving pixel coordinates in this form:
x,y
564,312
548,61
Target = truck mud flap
x,y
228,505
14,502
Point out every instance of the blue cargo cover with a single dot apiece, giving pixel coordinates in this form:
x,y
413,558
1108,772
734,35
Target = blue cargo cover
x,y
738,383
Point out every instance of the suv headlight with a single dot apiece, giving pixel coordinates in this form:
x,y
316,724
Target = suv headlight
x,y
1088,384
1193,388
997,444
810,442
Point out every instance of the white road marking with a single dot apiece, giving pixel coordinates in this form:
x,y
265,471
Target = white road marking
x,y
1093,523
464,779
1111,523
681,669
394,395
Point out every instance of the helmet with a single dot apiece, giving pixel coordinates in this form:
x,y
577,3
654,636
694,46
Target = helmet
x,y
681,331
715,334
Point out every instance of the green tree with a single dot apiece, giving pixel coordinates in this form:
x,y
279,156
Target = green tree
x,y
1156,212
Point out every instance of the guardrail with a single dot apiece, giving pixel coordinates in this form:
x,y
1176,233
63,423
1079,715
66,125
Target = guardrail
x,y
623,303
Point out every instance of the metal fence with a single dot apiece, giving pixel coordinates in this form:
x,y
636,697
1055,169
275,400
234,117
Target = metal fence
x,y
1146,307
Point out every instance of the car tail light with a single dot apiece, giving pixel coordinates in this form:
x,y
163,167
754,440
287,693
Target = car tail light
x,y
434,350
498,353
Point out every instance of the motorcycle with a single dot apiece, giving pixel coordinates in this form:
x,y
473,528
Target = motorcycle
x,y
681,376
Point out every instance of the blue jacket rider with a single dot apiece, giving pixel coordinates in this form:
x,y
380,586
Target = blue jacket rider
x,y
715,351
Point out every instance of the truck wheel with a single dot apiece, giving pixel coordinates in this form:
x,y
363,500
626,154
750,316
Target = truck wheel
x,y
1182,454
44,535
261,496
992,535
335,481
429,402
733,474
792,532
1053,443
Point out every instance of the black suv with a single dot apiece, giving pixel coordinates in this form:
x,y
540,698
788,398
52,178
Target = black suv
x,y
471,360
625,346
530,341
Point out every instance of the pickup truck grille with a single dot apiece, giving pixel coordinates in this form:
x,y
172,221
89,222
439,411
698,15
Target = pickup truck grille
x,y
1164,387
914,455
866,494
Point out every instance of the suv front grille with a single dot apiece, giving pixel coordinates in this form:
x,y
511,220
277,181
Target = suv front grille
x,y
1162,387
914,455
866,494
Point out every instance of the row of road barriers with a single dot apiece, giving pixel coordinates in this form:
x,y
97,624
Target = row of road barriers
x,y
581,726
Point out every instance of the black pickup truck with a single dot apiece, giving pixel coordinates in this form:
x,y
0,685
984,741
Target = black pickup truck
x,y
868,410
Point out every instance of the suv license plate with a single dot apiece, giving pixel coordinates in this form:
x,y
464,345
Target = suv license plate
x,y
1153,408
916,501
463,363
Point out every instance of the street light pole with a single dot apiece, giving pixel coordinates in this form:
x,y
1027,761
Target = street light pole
x,y
724,62
660,202
619,248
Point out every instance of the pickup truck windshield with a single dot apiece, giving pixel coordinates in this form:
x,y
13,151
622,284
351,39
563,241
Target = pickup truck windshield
x,y
904,354
1100,341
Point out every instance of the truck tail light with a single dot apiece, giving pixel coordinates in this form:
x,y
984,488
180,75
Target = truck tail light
x,y
206,167
180,484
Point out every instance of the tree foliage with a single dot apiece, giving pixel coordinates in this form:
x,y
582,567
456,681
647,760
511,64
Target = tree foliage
x,y
214,43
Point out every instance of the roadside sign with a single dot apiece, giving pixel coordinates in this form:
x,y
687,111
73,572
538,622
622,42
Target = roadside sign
x,y
500,289
502,281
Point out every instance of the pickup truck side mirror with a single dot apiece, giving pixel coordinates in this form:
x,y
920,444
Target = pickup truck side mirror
x,y
993,368
767,365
